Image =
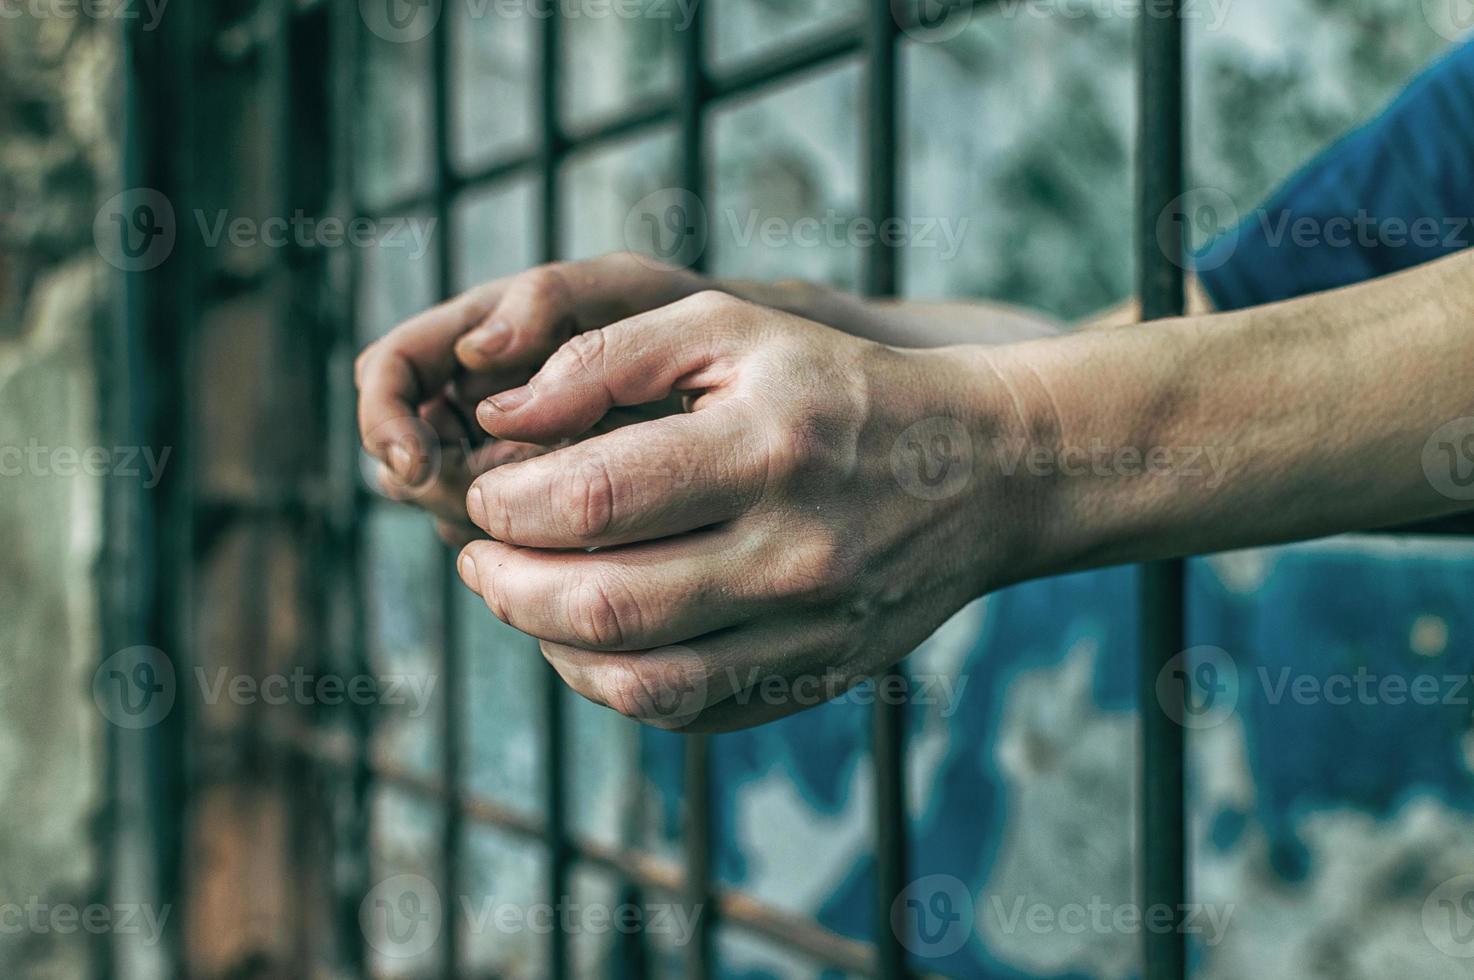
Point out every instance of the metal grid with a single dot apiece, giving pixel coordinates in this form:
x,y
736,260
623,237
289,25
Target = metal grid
x,y
153,592
700,91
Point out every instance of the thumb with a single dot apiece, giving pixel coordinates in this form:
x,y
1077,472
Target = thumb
x,y
689,345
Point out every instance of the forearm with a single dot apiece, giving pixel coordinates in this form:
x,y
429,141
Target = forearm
x,y
1284,422
897,323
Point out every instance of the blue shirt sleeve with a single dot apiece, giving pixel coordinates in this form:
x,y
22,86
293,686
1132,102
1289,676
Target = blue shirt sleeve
x,y
1394,194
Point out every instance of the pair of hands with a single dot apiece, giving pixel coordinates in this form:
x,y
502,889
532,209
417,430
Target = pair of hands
x,y
711,513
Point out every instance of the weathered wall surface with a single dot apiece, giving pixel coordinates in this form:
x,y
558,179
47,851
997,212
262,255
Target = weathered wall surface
x,y
57,146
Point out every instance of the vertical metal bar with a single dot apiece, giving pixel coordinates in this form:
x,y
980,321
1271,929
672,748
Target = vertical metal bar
x,y
880,279
450,732
550,159
352,845
1161,159
699,899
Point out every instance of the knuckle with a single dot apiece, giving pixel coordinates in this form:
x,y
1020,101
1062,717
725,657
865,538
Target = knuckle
x,y
585,500
496,518
711,302
603,614
795,448
585,353
543,280
822,568
636,691
491,592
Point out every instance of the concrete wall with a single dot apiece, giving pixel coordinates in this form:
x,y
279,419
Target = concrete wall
x,y
57,146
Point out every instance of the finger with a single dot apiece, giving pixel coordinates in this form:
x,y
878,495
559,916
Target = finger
x,y
724,681
688,345
637,483
621,599
409,366
444,493
531,318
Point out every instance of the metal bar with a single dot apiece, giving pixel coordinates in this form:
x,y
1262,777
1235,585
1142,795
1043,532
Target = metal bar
x,y
698,893
551,150
450,715
1161,159
658,874
770,69
356,827
888,750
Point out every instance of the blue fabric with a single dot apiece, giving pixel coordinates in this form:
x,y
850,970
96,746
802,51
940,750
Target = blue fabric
x,y
1394,194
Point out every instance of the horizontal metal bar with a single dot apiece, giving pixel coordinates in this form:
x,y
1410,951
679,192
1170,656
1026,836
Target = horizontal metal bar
x,y
771,68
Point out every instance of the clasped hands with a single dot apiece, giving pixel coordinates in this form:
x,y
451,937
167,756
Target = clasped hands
x,y
697,504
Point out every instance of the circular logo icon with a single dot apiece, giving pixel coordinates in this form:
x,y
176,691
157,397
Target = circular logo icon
x,y
933,459
933,915
135,688
135,230
1192,221
674,691
1448,459
1448,917
1451,19
410,440
401,917
932,21
669,226
401,21
1199,688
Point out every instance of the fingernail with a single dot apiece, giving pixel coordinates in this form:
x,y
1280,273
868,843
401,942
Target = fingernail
x,y
467,567
510,401
401,461
476,507
490,340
